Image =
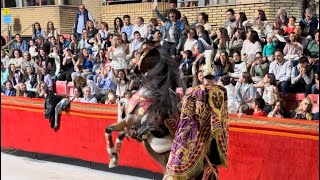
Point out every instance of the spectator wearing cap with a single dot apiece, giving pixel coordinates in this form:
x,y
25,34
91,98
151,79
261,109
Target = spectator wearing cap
x,y
309,24
19,43
281,68
82,17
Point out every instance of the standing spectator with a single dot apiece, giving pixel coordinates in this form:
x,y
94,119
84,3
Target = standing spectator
x,y
172,33
104,30
87,96
309,24
81,20
141,27
281,20
18,43
127,27
117,24
172,5
230,24
38,32
55,66
281,68
51,30
301,76
204,43
118,52
225,82
8,89
186,67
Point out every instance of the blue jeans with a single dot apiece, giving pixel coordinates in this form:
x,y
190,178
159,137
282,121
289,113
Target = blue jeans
x,y
314,90
283,86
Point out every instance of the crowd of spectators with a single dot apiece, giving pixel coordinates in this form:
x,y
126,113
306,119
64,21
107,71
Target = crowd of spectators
x,y
259,61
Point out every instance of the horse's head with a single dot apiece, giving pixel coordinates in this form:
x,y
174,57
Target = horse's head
x,y
156,100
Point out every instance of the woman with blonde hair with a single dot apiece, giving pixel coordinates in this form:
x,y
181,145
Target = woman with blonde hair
x,y
41,90
304,111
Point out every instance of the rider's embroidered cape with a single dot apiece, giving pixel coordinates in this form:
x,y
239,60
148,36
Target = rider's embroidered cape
x,y
202,128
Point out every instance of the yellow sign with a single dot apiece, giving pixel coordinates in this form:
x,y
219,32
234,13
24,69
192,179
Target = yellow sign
x,y
6,11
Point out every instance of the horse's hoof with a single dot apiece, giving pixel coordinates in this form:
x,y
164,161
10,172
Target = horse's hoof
x,y
113,162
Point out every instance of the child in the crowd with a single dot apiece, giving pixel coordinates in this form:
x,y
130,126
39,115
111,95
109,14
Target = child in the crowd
x,y
257,108
269,48
186,67
291,25
33,50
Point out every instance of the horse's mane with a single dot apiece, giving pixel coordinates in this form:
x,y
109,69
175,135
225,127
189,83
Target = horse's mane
x,y
162,81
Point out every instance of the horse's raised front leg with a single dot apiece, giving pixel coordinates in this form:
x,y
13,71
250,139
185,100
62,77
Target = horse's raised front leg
x,y
113,155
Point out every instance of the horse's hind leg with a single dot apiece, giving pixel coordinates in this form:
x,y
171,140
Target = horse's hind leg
x,y
110,145
119,140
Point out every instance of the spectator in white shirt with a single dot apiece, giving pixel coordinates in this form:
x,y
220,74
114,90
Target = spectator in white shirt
x,y
225,82
141,27
281,68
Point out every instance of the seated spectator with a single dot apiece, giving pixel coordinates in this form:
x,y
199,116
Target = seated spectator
x,y
304,111
141,27
186,67
84,41
127,26
291,25
51,30
312,51
293,49
41,44
16,58
250,47
257,108
8,89
302,40
21,90
245,93
223,66
309,24
105,83
30,78
67,66
118,24
237,40
33,50
20,44
62,44
45,77
87,96
259,23
203,20
198,78
301,76
15,75
239,66
4,74
315,87
153,25
120,79
125,40
204,43
136,43
104,30
41,90
156,36
38,32
222,42
270,91
77,94
281,68
240,18
53,42
270,47
281,20
191,40
91,30
84,64
111,98
225,82
4,58
73,45
277,111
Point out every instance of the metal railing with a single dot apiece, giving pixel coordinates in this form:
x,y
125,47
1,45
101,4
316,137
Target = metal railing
x,y
4,30
10,42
